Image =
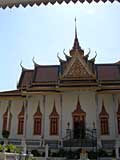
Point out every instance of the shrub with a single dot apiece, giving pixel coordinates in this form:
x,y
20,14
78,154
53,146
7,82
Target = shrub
x,y
36,153
92,155
1,148
11,148
102,153
5,133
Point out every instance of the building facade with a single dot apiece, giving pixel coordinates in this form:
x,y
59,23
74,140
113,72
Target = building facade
x,y
55,104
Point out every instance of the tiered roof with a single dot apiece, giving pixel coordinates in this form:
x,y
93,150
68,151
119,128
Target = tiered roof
x,y
77,71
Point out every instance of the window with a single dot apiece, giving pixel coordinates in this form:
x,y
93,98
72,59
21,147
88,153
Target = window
x,y
5,123
20,125
54,121
21,121
118,123
54,126
104,126
37,121
118,118
104,121
37,125
7,117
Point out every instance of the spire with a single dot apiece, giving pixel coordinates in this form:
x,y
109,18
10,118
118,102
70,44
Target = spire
x,y
75,29
76,46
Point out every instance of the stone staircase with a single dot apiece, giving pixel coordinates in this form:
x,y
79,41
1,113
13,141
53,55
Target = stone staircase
x,y
108,144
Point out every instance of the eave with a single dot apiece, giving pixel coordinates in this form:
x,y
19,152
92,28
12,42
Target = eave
x,y
25,3
11,94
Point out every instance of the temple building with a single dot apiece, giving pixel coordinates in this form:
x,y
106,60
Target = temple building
x,y
76,101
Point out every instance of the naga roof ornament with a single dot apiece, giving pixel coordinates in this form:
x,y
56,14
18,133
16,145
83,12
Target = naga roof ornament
x,y
60,60
35,64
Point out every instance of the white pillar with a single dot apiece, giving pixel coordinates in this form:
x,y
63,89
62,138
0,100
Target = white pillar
x,y
25,126
61,115
97,120
8,115
115,115
43,123
25,118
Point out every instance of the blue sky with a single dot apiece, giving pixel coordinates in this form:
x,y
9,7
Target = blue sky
x,y
43,31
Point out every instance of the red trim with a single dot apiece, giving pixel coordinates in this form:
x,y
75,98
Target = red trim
x,y
37,126
103,112
54,121
37,121
118,117
54,126
104,126
21,121
5,119
78,111
20,125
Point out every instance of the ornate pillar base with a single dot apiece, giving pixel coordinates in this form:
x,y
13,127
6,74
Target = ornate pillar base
x,y
117,145
99,144
23,143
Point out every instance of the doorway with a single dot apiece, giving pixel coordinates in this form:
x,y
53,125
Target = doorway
x,y
79,127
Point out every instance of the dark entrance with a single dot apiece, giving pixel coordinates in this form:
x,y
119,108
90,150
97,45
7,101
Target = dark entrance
x,y
79,128
76,130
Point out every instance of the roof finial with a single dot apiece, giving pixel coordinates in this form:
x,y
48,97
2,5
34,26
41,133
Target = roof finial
x,y
76,46
75,28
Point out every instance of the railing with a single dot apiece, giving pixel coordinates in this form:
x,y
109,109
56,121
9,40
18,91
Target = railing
x,y
84,138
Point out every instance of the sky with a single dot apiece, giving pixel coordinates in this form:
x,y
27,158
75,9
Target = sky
x,y
42,32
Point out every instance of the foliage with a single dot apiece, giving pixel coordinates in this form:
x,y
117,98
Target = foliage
x,y
36,153
102,153
5,134
1,148
92,155
61,153
9,148
113,153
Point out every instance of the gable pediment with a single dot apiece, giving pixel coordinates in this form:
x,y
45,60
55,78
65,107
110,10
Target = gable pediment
x,y
77,69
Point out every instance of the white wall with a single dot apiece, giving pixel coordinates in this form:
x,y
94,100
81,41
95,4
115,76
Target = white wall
x,y
69,102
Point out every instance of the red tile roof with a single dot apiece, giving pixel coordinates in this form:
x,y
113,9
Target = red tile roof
x,y
25,79
108,72
46,73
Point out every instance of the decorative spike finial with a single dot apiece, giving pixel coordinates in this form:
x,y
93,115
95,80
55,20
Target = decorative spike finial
x,y
60,60
35,64
95,54
89,51
75,28
64,51
33,59
21,65
76,45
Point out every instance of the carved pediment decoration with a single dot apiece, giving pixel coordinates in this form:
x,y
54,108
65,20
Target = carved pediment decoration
x,y
77,69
